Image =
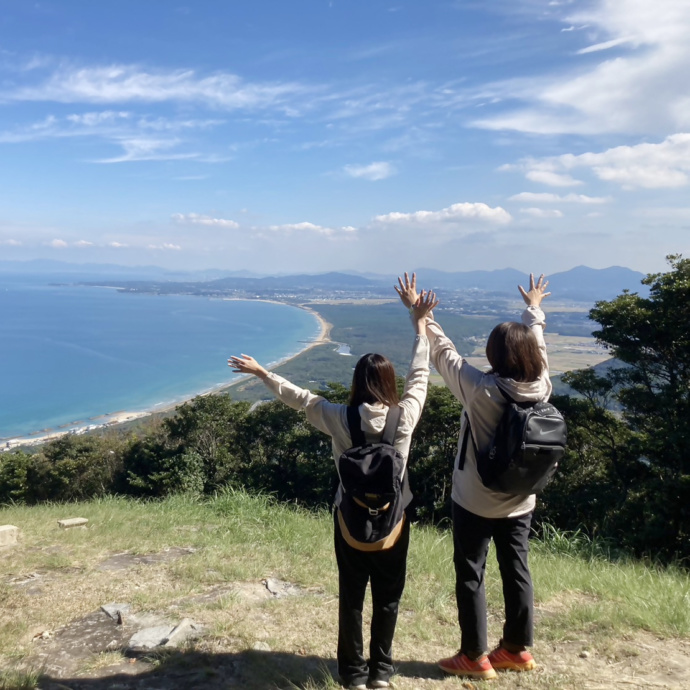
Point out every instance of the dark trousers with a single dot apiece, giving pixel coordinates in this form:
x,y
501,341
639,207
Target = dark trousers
x,y
471,537
386,570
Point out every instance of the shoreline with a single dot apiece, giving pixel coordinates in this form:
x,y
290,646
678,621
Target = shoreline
x,y
114,419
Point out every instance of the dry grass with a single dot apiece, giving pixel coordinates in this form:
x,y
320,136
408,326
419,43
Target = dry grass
x,y
613,611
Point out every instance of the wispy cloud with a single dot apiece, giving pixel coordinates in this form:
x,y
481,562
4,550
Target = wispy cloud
x,y
144,149
57,244
644,90
200,219
548,198
378,170
11,243
122,83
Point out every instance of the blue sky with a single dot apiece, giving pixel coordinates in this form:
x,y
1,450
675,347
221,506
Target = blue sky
x,y
319,135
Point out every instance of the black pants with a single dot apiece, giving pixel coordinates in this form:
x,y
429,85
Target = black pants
x,y
471,537
386,570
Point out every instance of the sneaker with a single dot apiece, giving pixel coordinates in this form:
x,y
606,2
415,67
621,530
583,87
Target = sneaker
x,y
379,684
502,659
359,686
462,665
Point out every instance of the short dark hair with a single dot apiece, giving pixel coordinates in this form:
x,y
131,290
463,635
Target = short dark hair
x,y
513,352
374,381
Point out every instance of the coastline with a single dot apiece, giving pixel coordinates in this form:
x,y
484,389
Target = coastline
x,y
114,419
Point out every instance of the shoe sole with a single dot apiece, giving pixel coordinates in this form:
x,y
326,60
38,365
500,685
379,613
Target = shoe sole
x,y
486,675
507,666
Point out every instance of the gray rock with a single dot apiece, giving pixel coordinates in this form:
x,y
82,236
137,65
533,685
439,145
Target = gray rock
x,y
149,638
113,609
261,647
185,630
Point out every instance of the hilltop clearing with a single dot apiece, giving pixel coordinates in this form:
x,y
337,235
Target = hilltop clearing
x,y
253,585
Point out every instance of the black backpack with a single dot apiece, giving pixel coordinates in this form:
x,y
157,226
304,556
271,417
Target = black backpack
x,y
525,449
376,490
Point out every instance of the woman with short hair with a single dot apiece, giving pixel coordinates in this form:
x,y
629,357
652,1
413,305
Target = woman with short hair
x,y
373,392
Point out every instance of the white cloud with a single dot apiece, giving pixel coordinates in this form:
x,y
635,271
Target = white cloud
x,y
548,198
130,83
457,213
57,244
306,227
165,246
199,219
143,149
652,166
93,119
83,243
642,89
379,170
11,243
542,212
117,245
552,179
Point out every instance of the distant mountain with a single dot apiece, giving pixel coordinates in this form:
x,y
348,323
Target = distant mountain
x,y
90,271
583,283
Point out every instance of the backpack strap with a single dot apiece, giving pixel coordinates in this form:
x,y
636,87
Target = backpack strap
x,y
504,394
392,420
354,422
463,448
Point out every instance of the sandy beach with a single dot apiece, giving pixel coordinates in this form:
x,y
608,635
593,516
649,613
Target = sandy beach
x,y
115,418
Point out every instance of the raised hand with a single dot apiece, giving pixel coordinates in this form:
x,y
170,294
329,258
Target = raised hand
x,y
247,365
407,290
424,304
536,292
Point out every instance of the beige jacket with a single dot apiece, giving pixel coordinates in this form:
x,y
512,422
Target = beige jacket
x,y
483,402
331,418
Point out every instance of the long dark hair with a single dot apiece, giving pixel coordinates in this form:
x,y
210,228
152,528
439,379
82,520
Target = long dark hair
x,y
513,352
374,381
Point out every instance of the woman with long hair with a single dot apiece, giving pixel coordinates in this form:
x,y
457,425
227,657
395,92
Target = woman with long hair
x,y
373,392
519,368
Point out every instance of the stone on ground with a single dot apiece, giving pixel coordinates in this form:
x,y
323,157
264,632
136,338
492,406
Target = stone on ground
x,y
72,522
8,535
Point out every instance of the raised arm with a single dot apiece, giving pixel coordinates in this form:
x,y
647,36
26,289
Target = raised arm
x,y
417,379
533,317
320,413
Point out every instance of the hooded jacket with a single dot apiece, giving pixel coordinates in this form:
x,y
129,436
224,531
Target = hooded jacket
x,y
331,418
482,401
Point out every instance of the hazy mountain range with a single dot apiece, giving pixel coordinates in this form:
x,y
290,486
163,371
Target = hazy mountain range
x,y
580,283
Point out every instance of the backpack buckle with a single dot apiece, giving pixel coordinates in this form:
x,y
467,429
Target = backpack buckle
x,y
373,511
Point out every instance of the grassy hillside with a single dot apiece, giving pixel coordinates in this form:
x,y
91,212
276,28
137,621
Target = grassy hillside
x,y
599,623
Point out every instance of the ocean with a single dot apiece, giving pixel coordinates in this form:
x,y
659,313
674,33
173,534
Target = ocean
x,y
70,354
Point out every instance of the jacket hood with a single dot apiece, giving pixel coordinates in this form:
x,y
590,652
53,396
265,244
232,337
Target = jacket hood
x,y
523,391
373,417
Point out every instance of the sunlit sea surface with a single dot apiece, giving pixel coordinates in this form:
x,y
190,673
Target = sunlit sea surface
x,y
69,354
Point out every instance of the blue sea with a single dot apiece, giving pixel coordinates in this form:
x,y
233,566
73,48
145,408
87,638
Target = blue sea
x,y
69,354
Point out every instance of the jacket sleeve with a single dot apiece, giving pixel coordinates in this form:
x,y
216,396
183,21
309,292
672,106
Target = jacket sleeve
x,y
320,413
416,384
461,378
534,319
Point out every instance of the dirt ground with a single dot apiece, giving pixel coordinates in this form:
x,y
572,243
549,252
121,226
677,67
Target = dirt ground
x,y
271,634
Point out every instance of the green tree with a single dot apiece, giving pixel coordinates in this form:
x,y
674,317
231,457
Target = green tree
x,y
642,457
